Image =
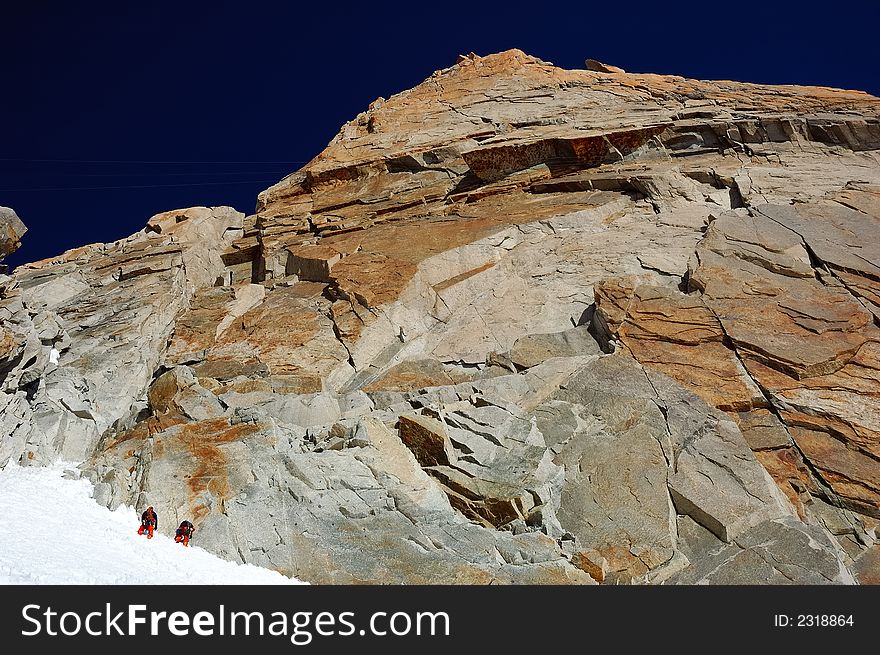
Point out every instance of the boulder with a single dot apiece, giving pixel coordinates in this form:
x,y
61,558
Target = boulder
x,y
598,66
11,231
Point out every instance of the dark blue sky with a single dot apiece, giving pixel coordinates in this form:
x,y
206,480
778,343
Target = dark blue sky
x,y
210,103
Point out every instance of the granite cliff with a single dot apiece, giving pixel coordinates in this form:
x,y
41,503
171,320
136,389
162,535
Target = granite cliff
x,y
517,324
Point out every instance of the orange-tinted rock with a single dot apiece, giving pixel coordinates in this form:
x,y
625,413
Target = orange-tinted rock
x,y
412,375
162,392
312,262
286,333
599,67
805,339
840,232
203,441
845,403
787,468
676,334
8,343
592,562
427,439
762,429
854,477
771,310
378,169
196,330
817,363
372,279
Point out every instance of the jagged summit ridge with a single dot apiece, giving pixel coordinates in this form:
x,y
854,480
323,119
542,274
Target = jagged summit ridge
x,y
516,324
508,93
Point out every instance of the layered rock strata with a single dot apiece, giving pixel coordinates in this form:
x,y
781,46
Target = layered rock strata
x,y
516,324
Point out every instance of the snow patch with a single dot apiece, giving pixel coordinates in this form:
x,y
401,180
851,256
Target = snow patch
x,y
52,532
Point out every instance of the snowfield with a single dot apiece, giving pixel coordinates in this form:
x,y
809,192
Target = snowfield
x,y
52,532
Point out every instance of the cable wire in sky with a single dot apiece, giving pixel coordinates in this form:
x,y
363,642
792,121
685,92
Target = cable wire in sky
x,y
139,186
136,161
154,174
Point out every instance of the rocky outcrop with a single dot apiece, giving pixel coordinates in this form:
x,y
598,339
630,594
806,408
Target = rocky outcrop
x,y
516,324
108,311
773,327
11,232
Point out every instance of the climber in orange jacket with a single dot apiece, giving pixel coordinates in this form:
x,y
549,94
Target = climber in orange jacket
x,y
184,533
149,522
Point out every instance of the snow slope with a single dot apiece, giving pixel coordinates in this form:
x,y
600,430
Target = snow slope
x,y
39,544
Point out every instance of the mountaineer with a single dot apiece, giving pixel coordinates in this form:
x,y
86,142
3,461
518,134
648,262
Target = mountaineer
x,y
149,522
184,533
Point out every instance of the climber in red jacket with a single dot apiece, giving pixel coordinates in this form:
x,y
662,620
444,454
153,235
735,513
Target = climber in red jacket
x,y
149,522
184,533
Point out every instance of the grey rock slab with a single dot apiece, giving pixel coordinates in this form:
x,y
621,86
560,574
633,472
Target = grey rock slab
x,y
838,235
781,551
614,499
533,349
714,476
308,410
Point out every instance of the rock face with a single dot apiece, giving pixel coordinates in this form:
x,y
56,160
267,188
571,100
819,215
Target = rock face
x,y
518,324
109,310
